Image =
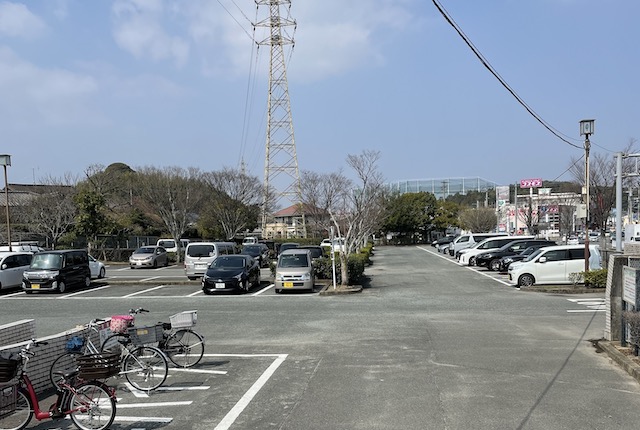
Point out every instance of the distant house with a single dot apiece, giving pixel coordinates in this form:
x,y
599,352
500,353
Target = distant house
x,y
299,220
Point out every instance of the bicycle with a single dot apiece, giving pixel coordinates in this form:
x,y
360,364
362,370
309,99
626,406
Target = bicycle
x,y
90,404
183,345
145,367
76,346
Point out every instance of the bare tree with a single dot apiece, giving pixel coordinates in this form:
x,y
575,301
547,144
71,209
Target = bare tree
x,y
237,200
173,193
602,182
319,192
53,213
357,210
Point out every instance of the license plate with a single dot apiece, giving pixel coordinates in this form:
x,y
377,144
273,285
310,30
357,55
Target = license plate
x,y
220,285
201,266
288,284
35,286
139,263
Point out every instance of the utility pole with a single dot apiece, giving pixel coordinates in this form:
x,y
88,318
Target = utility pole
x,y
281,161
586,129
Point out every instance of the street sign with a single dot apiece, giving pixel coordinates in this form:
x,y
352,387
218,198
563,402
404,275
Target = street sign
x,y
531,183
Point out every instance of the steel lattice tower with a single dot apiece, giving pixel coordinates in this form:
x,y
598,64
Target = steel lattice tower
x,y
281,162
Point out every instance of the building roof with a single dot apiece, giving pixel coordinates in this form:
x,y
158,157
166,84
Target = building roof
x,y
294,210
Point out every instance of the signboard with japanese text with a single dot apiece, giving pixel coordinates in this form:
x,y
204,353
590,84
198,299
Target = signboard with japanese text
x,y
630,285
531,183
502,195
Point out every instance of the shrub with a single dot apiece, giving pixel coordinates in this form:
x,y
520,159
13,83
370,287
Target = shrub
x,y
596,278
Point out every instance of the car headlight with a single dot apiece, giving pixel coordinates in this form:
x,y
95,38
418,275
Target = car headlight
x,y
507,260
279,277
306,277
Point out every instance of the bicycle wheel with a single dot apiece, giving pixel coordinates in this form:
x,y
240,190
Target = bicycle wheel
x,y
63,365
145,368
184,348
20,417
92,407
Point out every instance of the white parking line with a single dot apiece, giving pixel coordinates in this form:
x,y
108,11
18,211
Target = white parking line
x,y
143,291
198,388
192,370
257,293
235,412
150,279
84,292
122,419
196,293
153,405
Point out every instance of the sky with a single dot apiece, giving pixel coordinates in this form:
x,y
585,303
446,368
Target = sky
x,y
181,83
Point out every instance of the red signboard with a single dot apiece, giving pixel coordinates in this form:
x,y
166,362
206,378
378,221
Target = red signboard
x,y
531,183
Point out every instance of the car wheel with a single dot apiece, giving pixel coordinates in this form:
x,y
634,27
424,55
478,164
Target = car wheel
x,y
472,261
28,292
155,264
494,265
87,280
278,290
62,287
192,278
102,273
525,280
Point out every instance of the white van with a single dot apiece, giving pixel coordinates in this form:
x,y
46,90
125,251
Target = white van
x,y
250,240
468,240
553,265
198,256
467,256
170,245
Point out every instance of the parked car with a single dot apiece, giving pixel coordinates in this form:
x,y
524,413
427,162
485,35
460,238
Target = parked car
x,y
170,245
97,268
199,255
491,259
508,259
443,240
231,273
250,240
259,251
57,271
553,265
316,251
294,271
326,243
468,255
287,245
12,267
149,256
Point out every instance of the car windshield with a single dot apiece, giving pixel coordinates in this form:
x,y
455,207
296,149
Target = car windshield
x,y
46,261
146,250
533,254
200,250
293,260
251,249
228,263
315,252
167,243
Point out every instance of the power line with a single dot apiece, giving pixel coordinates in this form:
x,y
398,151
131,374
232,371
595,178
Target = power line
x,y
489,67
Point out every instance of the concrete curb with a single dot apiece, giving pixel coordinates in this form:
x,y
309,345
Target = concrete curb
x,y
328,290
620,359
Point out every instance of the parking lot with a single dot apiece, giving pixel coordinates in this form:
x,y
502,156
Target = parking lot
x,y
424,331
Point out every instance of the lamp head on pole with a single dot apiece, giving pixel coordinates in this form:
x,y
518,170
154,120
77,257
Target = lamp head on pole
x,y
587,127
5,160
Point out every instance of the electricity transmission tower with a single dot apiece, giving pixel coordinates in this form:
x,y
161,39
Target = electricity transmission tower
x,y
281,174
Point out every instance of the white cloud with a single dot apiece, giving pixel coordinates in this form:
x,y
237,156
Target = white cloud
x,y
138,29
17,21
51,96
332,36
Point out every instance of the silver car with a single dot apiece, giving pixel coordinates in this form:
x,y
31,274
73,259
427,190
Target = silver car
x,y
294,270
149,256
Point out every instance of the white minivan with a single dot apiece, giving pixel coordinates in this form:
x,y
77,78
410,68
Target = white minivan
x,y
553,265
199,255
467,256
468,240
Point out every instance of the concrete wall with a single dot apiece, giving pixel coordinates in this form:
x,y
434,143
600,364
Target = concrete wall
x,y
15,335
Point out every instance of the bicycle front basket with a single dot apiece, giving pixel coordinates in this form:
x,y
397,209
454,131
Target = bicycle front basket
x,y
8,369
184,319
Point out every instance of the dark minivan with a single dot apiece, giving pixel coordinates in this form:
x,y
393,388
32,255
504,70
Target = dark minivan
x,y
57,271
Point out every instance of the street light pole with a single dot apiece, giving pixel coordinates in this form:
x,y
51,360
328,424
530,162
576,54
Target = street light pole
x,y
586,129
5,160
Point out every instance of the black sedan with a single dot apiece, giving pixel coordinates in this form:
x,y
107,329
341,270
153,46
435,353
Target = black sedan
x,y
505,261
491,259
231,273
259,251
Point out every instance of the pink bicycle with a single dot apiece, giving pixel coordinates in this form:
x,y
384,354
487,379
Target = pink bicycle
x,y
91,404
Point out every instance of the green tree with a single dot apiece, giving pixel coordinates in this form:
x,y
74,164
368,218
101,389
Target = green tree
x,y
91,219
447,213
410,214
